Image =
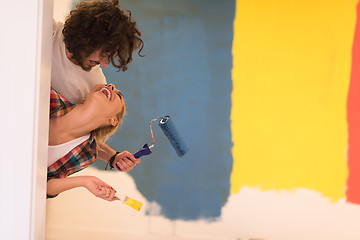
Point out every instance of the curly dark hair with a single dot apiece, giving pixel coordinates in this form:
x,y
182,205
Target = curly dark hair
x,y
95,25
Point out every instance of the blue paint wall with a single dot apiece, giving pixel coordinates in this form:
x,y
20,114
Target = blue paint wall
x,y
186,74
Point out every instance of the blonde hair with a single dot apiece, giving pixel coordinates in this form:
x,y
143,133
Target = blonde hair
x,y
103,133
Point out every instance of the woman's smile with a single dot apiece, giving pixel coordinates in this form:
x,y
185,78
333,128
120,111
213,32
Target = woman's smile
x,y
107,92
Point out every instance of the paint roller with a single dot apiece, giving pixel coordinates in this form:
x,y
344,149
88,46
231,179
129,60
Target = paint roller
x,y
168,127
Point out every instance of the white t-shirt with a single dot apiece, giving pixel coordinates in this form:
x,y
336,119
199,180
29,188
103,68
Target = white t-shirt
x,y
67,78
58,151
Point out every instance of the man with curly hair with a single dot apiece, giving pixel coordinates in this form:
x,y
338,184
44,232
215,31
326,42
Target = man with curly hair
x,y
94,33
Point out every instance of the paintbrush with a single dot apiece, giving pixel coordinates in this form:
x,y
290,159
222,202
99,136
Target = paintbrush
x,y
129,201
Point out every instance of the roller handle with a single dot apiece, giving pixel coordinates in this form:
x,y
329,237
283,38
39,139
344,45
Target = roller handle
x,y
145,150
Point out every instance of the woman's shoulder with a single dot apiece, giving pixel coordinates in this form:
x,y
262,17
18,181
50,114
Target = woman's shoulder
x,y
59,105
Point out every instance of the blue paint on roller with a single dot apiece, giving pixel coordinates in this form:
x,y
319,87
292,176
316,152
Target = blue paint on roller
x,y
168,127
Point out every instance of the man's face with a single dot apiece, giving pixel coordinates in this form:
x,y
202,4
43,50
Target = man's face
x,y
94,59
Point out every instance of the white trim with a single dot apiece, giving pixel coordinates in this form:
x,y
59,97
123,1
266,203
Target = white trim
x,y
41,119
25,66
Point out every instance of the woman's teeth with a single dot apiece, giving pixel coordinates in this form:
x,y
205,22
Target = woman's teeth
x,y
106,92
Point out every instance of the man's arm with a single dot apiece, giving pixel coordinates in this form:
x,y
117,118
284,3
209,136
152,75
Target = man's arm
x,y
125,161
93,184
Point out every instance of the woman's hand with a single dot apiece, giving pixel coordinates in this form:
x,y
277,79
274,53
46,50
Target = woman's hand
x,y
99,188
125,161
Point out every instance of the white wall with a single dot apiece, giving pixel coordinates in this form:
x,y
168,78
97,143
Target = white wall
x,y
251,214
25,47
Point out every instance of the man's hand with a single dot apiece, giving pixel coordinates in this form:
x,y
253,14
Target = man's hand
x,y
125,161
99,188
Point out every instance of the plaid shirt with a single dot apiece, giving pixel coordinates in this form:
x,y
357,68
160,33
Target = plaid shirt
x,y
79,157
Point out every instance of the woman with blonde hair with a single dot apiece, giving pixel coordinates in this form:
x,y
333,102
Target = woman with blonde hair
x,y
76,133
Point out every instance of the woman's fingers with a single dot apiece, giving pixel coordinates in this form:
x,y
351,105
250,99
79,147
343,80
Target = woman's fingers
x,y
125,161
107,193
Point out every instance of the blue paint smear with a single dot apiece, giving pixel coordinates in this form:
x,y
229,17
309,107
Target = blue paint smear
x,y
186,74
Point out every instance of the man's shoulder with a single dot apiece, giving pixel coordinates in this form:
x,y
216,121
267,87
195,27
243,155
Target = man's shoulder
x,y
57,27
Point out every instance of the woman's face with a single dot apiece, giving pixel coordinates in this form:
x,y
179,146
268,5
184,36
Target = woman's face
x,y
105,100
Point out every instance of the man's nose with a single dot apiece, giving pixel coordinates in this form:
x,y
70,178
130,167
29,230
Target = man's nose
x,y
104,62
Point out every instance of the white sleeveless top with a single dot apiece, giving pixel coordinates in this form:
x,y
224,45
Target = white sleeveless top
x,y
58,151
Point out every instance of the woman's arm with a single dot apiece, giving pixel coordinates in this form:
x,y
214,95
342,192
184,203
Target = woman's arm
x,y
93,184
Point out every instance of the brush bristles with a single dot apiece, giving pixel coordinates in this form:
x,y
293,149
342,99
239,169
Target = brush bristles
x,y
133,203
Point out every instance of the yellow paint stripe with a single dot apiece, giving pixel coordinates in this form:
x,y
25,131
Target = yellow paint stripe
x,y
291,66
